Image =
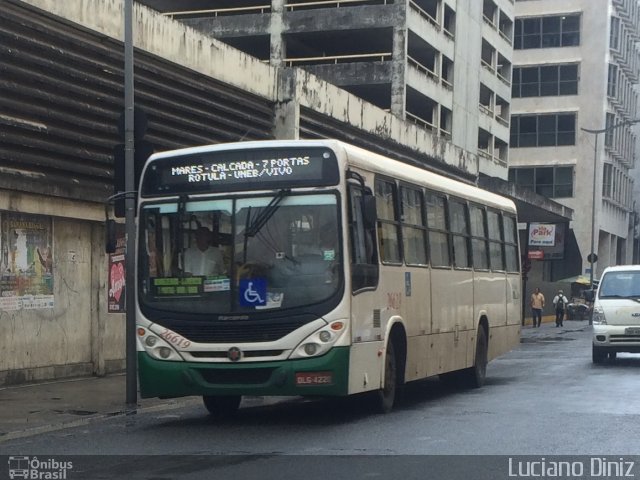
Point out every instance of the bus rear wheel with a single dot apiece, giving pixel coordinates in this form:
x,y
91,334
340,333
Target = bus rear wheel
x,y
386,396
474,377
222,406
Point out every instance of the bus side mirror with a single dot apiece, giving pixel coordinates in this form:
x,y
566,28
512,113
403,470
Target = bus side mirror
x,y
110,236
369,211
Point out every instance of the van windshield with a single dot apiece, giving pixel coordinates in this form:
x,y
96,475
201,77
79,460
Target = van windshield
x,y
622,284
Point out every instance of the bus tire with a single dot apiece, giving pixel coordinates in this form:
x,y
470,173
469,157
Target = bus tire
x,y
474,377
386,396
222,406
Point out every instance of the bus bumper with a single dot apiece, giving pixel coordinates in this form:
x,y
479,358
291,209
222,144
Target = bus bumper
x,y
323,376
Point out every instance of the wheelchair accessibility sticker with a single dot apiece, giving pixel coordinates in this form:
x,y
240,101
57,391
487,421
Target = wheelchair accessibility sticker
x,y
253,292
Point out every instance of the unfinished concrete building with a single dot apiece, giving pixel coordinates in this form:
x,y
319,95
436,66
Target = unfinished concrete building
x,y
443,64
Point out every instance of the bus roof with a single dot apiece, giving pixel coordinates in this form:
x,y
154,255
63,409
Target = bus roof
x,y
367,160
423,177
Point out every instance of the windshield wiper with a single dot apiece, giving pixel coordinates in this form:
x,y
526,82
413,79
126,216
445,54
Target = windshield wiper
x,y
264,216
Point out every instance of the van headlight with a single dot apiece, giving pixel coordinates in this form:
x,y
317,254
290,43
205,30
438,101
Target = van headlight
x,y
598,316
157,347
320,341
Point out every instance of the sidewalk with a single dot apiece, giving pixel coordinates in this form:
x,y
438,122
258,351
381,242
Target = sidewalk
x,y
41,407
548,329
36,408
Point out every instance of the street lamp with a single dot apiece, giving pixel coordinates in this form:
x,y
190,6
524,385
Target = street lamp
x,y
592,258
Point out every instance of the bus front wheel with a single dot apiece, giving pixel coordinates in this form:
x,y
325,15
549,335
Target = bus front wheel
x,y
222,406
386,396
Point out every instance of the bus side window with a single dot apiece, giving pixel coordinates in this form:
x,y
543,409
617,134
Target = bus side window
x,y
364,258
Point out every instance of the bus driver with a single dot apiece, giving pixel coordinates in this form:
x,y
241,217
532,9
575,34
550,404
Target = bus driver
x,y
202,258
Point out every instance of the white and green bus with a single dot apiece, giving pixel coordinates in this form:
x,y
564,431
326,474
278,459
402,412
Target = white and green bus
x,y
342,272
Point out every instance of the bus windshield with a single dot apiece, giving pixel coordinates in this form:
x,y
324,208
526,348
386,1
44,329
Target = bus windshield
x,y
222,256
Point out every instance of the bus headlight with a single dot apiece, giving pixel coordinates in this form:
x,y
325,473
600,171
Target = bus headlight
x,y
311,348
598,316
320,341
164,352
324,336
157,347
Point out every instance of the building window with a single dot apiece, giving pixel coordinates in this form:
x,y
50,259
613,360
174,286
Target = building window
x,y
547,130
612,81
547,32
608,134
552,182
542,81
614,34
606,180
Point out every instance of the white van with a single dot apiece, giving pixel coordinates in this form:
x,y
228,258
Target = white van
x,y
616,313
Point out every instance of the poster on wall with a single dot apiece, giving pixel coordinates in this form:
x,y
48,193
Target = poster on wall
x,y
116,281
26,262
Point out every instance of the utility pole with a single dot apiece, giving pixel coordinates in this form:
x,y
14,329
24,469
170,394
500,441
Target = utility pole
x,y
130,219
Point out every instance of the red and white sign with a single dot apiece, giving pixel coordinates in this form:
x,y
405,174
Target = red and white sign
x,y
536,255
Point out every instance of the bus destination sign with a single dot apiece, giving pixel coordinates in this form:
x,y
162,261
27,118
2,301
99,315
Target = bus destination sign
x,y
219,172
241,170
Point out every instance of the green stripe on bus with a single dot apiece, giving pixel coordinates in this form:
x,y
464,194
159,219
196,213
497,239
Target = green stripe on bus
x,y
166,379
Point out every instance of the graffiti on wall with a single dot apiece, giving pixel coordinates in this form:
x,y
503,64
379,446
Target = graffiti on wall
x,y
26,262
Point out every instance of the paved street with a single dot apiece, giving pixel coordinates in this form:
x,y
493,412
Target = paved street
x,y
543,398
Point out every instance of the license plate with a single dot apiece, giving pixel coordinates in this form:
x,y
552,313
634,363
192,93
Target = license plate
x,y
309,379
632,331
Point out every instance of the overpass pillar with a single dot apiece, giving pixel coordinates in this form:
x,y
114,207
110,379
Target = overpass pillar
x,y
278,47
287,108
399,65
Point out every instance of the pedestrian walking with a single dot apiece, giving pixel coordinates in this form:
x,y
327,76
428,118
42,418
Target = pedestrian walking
x,y
537,304
560,303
